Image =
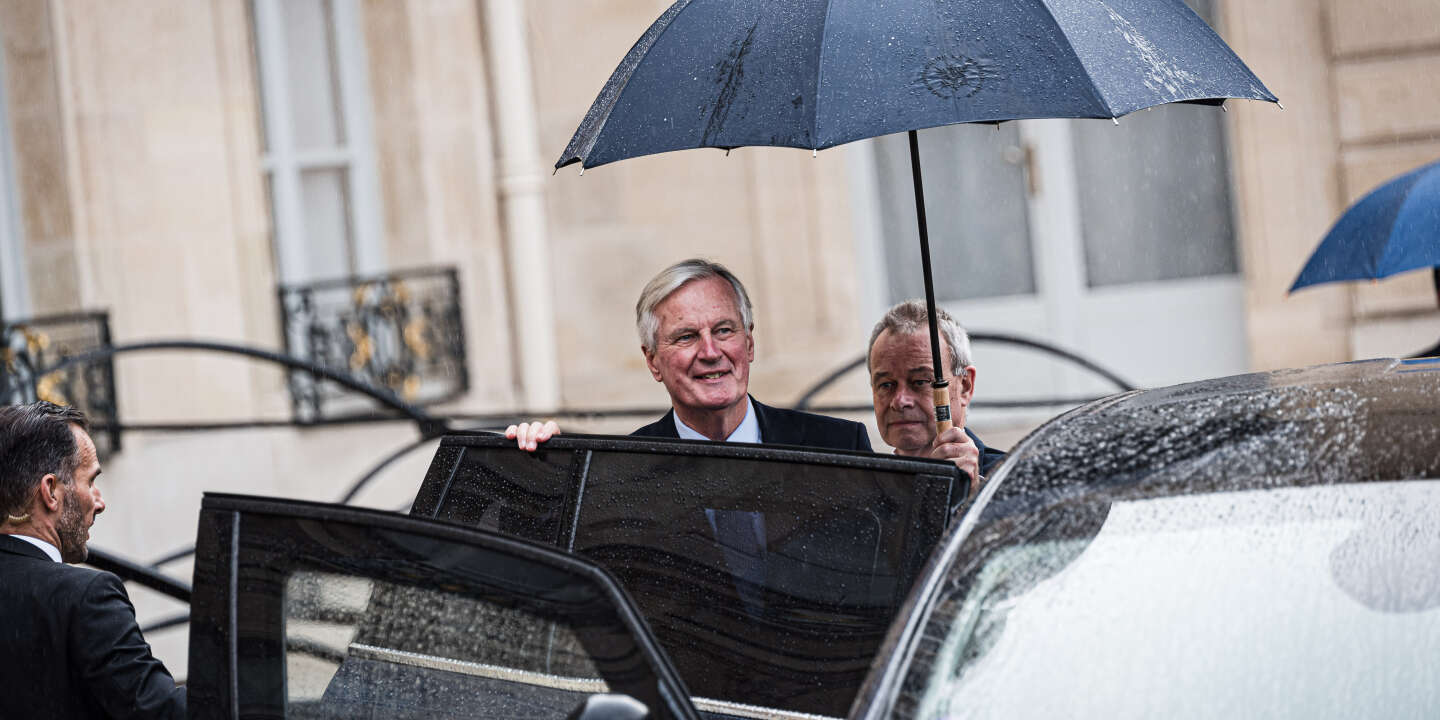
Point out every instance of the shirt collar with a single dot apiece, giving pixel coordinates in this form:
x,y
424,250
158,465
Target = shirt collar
x,y
49,549
747,432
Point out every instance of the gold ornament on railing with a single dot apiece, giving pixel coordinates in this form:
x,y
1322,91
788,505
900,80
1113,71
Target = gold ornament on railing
x,y
414,335
35,341
411,387
364,346
361,292
399,292
48,387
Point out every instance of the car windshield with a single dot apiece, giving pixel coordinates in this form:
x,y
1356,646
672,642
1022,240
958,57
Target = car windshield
x,y
1296,602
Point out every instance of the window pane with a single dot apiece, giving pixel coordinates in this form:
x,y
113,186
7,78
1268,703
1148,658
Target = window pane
x,y
310,54
326,201
976,207
1154,193
1154,196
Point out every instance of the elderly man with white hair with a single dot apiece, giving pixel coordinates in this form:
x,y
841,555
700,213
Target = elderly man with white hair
x,y
695,324
901,371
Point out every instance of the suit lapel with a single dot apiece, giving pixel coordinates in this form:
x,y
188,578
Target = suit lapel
x,y
773,428
666,427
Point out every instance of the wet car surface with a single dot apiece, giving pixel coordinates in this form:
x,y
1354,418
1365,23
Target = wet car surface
x,y
1265,545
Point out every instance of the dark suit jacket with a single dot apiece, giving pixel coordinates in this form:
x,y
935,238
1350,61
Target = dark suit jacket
x,y
785,427
70,646
989,457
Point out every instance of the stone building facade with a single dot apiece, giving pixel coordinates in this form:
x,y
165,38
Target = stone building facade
x,y
174,161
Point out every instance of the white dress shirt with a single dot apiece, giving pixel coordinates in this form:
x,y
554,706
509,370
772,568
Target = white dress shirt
x,y
747,432
49,549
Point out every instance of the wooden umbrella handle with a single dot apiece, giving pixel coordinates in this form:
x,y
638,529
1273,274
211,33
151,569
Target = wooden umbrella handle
x,y
942,409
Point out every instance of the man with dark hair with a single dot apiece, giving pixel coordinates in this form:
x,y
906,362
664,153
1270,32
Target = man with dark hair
x,y
72,648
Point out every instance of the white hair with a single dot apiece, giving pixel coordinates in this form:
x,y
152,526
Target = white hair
x,y
673,278
910,316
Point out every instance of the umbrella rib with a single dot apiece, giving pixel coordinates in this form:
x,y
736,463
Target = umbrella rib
x,y
1378,260
1094,86
820,76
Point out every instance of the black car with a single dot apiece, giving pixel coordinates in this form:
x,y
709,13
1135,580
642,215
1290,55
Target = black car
x,y
1263,545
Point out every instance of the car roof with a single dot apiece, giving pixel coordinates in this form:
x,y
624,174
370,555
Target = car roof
x,y
1365,420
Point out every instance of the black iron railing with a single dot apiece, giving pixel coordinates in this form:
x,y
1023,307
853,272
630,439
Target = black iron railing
x,y
28,347
401,331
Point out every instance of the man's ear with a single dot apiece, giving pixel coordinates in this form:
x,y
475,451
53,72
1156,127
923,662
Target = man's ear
x,y
48,492
650,363
963,390
750,344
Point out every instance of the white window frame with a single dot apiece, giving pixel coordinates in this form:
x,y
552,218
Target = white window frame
x,y
14,280
283,163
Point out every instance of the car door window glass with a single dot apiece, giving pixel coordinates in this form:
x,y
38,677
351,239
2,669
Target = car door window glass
x,y
321,611
352,645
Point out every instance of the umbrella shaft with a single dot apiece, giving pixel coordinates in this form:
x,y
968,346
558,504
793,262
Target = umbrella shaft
x,y
942,398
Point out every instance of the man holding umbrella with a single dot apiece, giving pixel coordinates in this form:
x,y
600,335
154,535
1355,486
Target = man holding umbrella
x,y
695,322
901,372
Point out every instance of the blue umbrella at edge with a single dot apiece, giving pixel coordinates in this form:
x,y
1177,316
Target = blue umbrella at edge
x,y
1393,229
817,73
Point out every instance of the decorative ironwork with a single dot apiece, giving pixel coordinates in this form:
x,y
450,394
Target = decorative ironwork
x,y
400,331
28,347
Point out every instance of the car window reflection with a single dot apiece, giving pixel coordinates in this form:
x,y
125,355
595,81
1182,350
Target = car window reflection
x,y
355,646
1239,603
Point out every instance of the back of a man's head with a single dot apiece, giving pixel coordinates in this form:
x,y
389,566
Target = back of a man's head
x,y
35,439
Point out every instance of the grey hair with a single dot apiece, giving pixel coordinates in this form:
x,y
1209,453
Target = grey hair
x,y
910,316
35,440
673,278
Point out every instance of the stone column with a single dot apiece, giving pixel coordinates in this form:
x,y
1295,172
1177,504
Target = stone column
x,y
521,174
1287,189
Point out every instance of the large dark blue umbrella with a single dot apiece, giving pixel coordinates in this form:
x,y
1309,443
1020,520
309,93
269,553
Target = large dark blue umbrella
x,y
1393,229
817,73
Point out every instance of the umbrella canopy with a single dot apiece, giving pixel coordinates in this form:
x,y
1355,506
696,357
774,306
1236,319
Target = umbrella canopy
x,y
1393,229
817,73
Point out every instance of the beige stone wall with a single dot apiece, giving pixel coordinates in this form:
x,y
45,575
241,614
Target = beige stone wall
x,y
436,158
1360,81
40,171
1285,184
1387,79
140,182
138,171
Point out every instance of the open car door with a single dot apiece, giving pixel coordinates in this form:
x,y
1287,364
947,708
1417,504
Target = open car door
x,y
305,610
769,574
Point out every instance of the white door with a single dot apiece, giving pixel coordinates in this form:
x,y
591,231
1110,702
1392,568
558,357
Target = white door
x,y
14,281
1113,242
